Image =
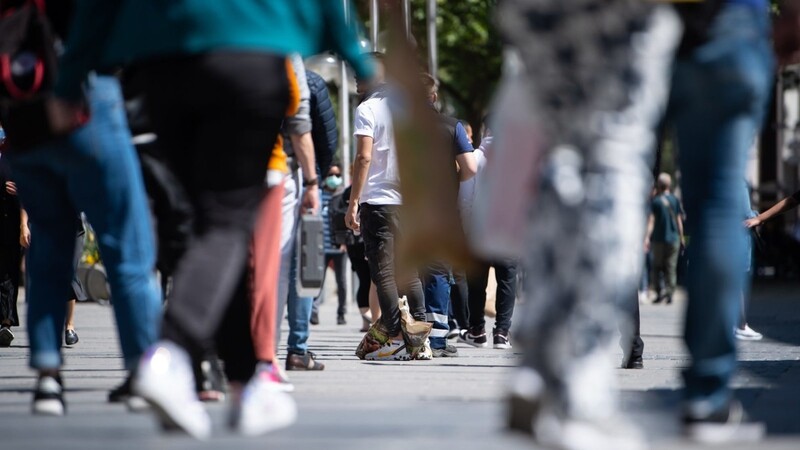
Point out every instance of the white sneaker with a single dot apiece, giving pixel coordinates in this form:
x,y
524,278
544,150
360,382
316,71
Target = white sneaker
x,y
165,379
263,406
392,350
747,334
613,432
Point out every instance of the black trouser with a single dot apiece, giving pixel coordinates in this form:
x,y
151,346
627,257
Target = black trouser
x,y
629,328
341,283
217,117
358,261
459,295
10,259
477,279
380,227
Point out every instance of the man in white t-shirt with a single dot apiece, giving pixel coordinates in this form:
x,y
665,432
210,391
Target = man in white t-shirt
x,y
373,211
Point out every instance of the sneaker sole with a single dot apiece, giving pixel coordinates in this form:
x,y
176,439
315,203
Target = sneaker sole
x,y
724,433
172,417
502,346
285,415
473,344
50,407
136,404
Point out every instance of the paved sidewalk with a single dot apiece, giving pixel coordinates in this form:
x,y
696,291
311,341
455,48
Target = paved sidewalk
x,y
445,403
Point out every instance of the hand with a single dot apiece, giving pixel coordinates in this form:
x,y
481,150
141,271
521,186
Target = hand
x,y
310,203
752,222
647,245
24,236
351,218
11,188
64,116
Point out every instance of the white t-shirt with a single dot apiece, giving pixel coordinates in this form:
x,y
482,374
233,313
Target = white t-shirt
x,y
373,119
467,190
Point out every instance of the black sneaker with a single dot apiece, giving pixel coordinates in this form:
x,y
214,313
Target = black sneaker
x,y
634,362
449,351
501,340
314,318
727,424
120,393
340,320
48,398
475,337
6,336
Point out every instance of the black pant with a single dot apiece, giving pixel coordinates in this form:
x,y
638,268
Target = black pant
x,y
477,279
358,261
217,116
629,328
459,296
380,228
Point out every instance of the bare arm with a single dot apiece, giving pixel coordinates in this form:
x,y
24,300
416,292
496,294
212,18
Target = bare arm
x,y
467,166
779,208
24,231
360,170
651,223
303,147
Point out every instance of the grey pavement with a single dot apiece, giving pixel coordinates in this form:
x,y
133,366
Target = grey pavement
x,y
454,403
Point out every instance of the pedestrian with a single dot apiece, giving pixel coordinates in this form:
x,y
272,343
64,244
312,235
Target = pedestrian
x,y
664,239
89,166
334,253
240,48
10,252
374,212
437,274
743,332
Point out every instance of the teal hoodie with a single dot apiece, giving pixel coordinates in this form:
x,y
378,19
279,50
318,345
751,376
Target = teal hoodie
x,y
107,33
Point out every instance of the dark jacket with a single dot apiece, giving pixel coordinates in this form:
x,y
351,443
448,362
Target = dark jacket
x,y
323,123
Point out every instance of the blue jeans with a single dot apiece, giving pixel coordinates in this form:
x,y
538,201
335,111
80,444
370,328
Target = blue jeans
x,y
94,170
718,101
299,311
436,283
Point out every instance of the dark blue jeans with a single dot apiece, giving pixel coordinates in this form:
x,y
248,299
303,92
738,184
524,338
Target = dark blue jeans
x,y
93,170
718,102
436,283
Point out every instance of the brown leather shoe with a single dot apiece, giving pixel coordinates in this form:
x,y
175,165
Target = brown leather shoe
x,y
303,362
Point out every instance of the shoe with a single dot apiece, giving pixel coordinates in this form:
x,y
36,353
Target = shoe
x,y
524,400
552,430
340,320
747,334
165,379
426,354
314,318
634,362
303,362
449,351
728,424
263,405
70,337
6,336
378,346
453,333
501,340
124,394
210,381
284,384
48,398
475,337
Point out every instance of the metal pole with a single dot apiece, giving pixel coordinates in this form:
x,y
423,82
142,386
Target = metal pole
x,y
374,24
433,56
407,18
344,130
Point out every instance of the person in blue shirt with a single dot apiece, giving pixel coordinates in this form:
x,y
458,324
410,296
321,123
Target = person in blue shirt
x,y
664,238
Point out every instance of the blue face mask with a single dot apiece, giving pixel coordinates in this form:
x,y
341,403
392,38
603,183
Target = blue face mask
x,y
333,181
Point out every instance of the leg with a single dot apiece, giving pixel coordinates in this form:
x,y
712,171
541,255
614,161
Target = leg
x,y
299,312
459,295
506,277
477,279
265,265
437,301
379,238
341,283
658,250
671,270
290,206
714,139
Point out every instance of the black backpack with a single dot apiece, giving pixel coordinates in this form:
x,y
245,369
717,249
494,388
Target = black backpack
x,y
28,66
337,210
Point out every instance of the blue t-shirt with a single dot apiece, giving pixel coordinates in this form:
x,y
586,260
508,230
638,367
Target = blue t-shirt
x,y
665,209
463,145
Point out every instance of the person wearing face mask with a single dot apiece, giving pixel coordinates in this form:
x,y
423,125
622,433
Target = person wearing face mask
x,y
334,253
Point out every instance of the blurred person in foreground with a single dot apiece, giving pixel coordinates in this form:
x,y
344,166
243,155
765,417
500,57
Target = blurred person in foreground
x,y
724,55
217,143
